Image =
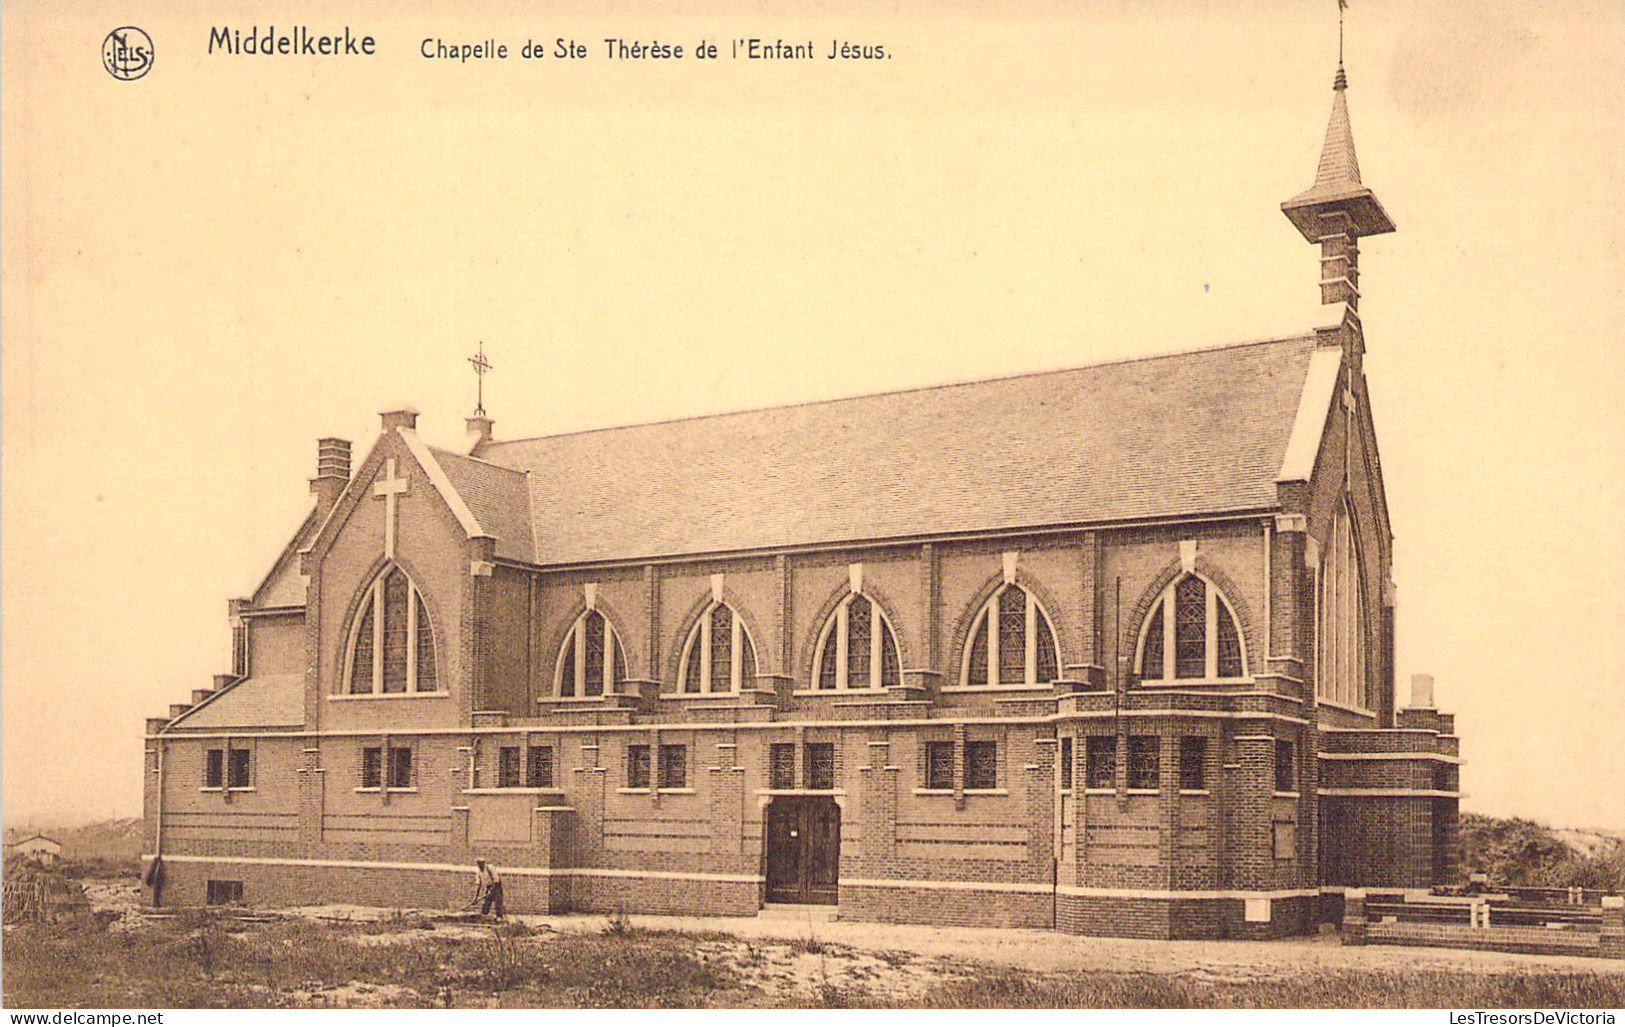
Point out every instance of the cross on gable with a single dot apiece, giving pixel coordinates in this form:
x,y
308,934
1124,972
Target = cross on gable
x,y
389,488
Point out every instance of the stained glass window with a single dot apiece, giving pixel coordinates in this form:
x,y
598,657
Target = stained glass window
x,y
857,642
1004,621
1151,661
540,758
718,656
1229,644
1144,761
1190,628
392,649
939,765
866,665
781,765
722,621
600,664
361,664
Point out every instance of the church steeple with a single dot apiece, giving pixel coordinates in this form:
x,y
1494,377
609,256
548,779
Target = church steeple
x,y
1338,209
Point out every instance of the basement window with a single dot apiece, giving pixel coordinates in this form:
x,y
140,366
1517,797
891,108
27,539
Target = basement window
x,y
541,766
223,893
674,766
939,766
1193,763
214,768
1144,762
508,766
637,766
781,765
239,768
1100,758
1285,779
820,769
981,766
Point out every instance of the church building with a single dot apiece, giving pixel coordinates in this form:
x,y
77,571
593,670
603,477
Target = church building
x,y
1106,650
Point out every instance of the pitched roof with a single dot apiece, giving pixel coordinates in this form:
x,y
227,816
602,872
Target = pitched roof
x,y
497,496
1180,435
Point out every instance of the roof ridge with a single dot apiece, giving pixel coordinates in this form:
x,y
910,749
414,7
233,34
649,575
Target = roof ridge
x,y
963,383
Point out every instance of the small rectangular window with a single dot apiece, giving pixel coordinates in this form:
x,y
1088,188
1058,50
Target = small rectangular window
x,y
674,766
400,766
981,765
637,766
372,767
820,770
1066,764
781,759
1144,761
541,766
1285,778
223,893
239,769
508,766
1100,755
1193,763
939,765
214,768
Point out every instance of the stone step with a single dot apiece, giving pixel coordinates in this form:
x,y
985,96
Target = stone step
x,y
814,914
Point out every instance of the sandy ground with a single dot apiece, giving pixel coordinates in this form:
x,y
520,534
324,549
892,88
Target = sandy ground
x,y
905,959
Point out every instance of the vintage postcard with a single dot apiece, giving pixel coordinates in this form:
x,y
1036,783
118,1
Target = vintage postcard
x,y
769,504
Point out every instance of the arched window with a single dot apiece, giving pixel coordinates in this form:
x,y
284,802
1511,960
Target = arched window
x,y
1011,642
1340,671
718,655
1191,633
391,641
857,649
591,661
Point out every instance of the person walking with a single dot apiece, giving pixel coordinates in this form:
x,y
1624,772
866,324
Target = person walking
x,y
488,884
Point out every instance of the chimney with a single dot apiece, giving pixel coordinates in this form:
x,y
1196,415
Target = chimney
x,y
1421,691
332,473
399,417
479,430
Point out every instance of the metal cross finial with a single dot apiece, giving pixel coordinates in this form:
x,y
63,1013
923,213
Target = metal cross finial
x,y
1342,5
481,365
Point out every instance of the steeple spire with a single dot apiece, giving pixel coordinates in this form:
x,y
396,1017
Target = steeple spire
x,y
1338,209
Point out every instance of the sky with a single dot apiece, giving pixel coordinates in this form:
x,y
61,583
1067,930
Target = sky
x,y
207,269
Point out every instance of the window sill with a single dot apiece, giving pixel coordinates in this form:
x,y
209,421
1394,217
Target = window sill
x,y
933,791
1345,707
802,791
685,790
836,692
513,790
1194,791
987,791
363,696
392,791
1142,791
699,695
969,689
1286,795
1188,682
1100,791
574,698
211,788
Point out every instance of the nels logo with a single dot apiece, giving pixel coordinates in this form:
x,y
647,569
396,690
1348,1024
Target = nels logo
x,y
127,53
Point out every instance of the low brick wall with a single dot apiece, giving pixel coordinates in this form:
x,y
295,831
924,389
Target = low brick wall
x,y
1609,942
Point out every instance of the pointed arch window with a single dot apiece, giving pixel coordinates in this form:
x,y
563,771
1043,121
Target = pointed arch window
x,y
391,648
857,650
591,661
1191,633
1340,666
1012,642
718,656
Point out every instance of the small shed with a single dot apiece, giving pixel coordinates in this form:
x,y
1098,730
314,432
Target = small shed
x,y
37,848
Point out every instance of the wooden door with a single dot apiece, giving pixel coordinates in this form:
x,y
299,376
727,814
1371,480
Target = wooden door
x,y
803,850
